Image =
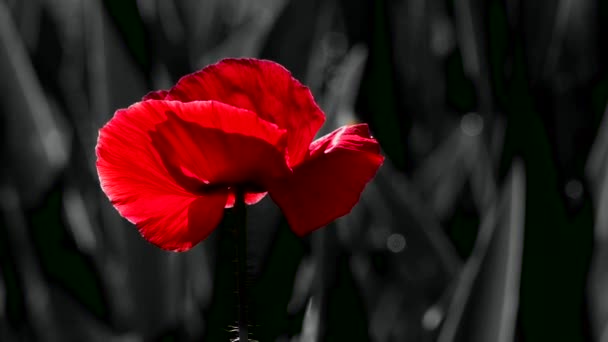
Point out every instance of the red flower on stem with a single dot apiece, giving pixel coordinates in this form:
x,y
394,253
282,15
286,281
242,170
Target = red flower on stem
x,y
170,164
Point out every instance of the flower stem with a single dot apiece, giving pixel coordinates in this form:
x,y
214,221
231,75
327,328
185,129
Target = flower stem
x,y
240,233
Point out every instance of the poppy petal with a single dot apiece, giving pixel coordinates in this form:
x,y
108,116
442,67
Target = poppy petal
x,y
140,189
263,87
328,184
135,177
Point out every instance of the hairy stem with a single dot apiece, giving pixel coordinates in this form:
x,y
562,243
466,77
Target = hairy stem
x,y
240,234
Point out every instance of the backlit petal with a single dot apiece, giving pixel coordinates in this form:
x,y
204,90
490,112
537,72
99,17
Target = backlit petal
x,y
263,87
329,182
136,177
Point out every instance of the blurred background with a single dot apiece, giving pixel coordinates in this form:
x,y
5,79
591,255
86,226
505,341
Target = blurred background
x,y
487,222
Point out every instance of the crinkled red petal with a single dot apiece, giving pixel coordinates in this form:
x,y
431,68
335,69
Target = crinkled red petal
x,y
328,184
263,87
161,162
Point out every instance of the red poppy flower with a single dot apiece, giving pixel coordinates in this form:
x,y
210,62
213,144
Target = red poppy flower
x,y
170,164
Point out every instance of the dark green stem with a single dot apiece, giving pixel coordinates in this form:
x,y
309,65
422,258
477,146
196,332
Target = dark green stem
x,y
240,234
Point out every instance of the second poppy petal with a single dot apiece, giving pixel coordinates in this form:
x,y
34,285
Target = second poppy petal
x,y
263,87
329,182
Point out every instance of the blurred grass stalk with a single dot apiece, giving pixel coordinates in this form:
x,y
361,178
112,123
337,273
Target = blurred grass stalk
x,y
485,302
35,135
596,172
36,296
